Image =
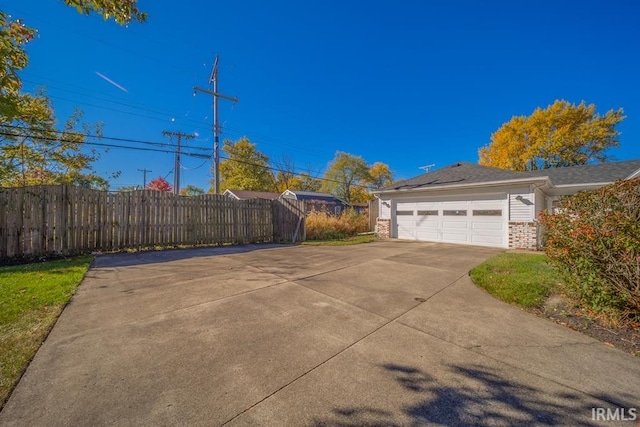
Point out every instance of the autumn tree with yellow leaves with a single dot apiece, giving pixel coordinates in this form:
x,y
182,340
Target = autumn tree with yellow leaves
x,y
563,134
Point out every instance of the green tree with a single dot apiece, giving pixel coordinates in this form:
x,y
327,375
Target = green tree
x,y
32,151
345,173
13,58
245,168
306,182
192,190
286,178
14,35
563,134
122,11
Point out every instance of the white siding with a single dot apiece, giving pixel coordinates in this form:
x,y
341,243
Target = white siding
x,y
540,202
385,208
522,205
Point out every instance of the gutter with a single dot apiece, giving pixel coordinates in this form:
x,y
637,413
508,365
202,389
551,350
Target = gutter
x,y
587,184
633,175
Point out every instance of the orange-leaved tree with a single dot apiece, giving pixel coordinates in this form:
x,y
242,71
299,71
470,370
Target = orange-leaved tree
x,y
563,134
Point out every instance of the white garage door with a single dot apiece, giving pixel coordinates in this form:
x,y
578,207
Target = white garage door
x,y
472,222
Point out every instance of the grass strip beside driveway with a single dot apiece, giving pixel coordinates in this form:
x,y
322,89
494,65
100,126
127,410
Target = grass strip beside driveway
x,y
527,280
521,279
32,297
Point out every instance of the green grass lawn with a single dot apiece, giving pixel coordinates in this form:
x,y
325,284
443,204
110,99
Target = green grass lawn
x,y
353,240
32,297
521,279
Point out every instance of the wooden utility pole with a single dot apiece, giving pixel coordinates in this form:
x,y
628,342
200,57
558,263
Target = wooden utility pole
x,y
176,166
144,174
213,80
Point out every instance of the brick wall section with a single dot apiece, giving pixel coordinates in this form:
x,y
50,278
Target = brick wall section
x,y
523,235
383,228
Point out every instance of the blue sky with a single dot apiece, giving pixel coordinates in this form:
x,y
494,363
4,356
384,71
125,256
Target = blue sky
x,y
407,83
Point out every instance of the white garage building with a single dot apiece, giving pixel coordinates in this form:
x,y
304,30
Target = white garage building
x,y
477,205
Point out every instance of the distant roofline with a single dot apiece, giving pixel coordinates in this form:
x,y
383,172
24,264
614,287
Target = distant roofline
x,y
234,192
314,193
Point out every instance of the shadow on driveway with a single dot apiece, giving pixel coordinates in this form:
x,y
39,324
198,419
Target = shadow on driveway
x,y
127,259
481,397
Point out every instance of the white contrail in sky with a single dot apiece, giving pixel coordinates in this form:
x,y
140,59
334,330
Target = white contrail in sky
x,y
112,82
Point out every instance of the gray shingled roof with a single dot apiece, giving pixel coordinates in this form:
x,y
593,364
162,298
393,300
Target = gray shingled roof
x,y
470,173
457,174
312,195
586,174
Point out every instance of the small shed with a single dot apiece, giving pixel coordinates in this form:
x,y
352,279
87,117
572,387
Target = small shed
x,y
318,201
248,195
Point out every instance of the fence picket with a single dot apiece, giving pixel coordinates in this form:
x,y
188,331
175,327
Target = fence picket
x,y
67,220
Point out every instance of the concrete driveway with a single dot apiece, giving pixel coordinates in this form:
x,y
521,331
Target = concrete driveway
x,y
389,333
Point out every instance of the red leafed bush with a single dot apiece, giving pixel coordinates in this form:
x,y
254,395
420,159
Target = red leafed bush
x,y
160,184
594,239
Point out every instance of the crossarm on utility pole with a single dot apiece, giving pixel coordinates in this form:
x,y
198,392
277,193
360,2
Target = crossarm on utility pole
x,y
176,167
216,126
219,95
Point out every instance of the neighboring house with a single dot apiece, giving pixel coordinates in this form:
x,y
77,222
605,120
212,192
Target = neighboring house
x,y
360,208
479,205
248,195
318,201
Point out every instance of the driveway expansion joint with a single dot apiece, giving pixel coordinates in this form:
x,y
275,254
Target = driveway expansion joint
x,y
390,321
568,344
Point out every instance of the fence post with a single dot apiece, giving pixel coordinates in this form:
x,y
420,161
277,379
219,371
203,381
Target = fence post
x,y
73,220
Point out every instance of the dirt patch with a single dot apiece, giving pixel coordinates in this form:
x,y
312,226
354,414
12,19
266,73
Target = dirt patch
x,y
560,309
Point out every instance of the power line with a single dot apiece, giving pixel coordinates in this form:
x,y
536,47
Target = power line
x,y
144,171
111,138
213,80
255,136
98,144
272,168
176,167
90,36
124,104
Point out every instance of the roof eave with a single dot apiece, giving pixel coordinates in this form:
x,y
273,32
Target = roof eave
x,y
584,184
636,174
538,180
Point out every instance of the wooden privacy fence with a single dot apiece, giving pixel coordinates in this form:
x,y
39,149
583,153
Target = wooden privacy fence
x,y
66,220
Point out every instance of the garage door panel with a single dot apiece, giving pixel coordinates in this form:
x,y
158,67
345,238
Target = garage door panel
x,y
487,239
455,225
405,232
428,223
479,221
486,225
454,237
426,205
433,236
